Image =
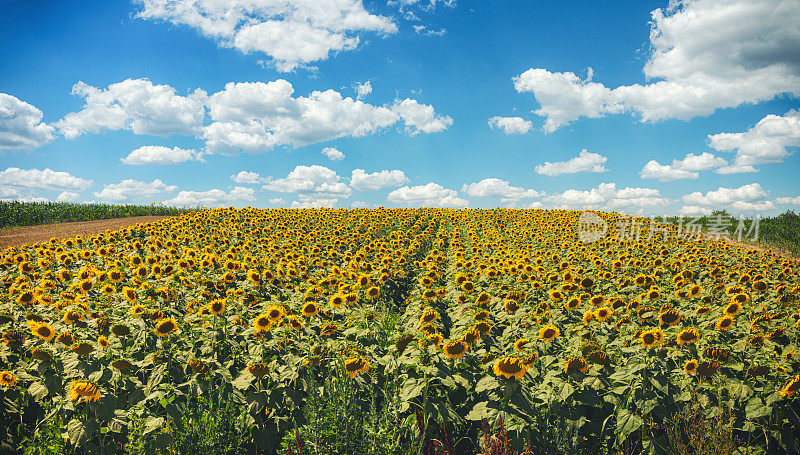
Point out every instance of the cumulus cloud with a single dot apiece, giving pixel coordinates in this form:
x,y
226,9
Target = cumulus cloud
x,y
133,188
511,125
363,89
723,196
584,162
136,105
248,177
764,143
694,210
706,55
333,153
276,200
788,200
494,187
420,118
608,196
158,154
21,125
212,198
314,185
430,195
360,180
290,32
68,196
687,168
47,179
257,116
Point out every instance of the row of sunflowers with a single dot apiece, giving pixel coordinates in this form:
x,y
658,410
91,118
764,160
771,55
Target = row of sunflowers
x,y
391,331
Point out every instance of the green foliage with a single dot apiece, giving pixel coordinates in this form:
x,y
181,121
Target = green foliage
x,y
32,213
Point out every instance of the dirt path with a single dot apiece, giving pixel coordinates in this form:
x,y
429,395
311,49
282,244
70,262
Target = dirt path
x,y
42,232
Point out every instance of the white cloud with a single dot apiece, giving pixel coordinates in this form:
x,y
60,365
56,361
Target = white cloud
x,y
21,125
248,177
788,200
764,143
362,181
132,188
158,154
212,198
363,89
744,206
420,117
687,168
736,169
333,153
430,195
693,210
136,105
314,185
276,200
584,162
68,196
706,55
47,179
358,205
290,32
494,187
257,116
311,202
607,196
725,196
511,125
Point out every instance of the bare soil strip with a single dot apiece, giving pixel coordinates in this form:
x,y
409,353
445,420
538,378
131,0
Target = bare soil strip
x,y
33,234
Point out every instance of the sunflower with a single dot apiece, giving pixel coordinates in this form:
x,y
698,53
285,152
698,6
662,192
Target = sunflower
x,y
120,330
732,309
575,364
602,313
471,336
548,333
510,367
82,348
724,323
310,309
588,317
373,292
86,390
102,341
759,285
651,337
482,327
66,338
556,295
455,349
85,286
669,317
511,306
294,322
519,345
467,286
598,357
428,317
129,293
41,354
258,370
261,322
43,330
336,301
198,366
351,298
791,388
483,297
356,366
688,336
573,303
707,368
7,379
166,326
586,283
402,343
701,310
328,330
217,306
122,364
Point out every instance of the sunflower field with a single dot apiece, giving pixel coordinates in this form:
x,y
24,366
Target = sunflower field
x,y
396,331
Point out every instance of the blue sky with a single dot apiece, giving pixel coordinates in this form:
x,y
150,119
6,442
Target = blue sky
x,y
478,104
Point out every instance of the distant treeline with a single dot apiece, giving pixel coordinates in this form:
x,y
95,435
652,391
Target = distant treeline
x,y
30,213
782,231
